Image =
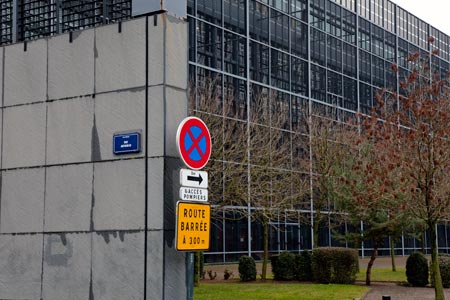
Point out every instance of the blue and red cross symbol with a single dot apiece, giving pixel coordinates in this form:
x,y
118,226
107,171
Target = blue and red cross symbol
x,y
194,142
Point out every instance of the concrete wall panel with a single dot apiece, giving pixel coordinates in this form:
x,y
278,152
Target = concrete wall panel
x,y
71,65
26,79
24,136
176,104
155,249
119,195
115,112
67,266
20,266
69,131
175,287
155,183
117,266
22,206
2,51
156,121
176,56
68,199
156,50
120,57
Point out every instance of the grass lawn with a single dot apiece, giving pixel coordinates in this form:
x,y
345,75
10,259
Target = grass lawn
x,y
277,291
383,274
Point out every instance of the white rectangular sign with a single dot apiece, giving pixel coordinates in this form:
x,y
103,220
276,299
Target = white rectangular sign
x,y
193,194
197,179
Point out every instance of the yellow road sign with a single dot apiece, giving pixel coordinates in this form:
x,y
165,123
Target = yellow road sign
x,y
193,226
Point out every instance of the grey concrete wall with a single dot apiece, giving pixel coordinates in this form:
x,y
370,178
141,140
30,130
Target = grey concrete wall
x,y
77,221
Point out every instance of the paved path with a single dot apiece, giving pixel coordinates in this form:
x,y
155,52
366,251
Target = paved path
x,y
401,293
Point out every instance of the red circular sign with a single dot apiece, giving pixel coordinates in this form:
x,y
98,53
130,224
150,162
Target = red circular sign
x,y
194,142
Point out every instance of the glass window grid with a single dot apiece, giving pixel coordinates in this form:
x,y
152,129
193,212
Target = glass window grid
x,y
349,104
78,14
36,19
6,22
299,9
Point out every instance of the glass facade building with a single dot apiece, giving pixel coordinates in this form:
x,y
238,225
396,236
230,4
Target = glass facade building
x,y
328,54
321,54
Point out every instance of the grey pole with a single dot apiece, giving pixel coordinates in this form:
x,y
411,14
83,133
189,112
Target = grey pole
x,y
190,276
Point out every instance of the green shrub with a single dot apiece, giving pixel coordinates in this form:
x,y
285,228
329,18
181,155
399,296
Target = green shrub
x,y
335,265
247,268
303,266
417,269
283,266
444,266
321,265
274,262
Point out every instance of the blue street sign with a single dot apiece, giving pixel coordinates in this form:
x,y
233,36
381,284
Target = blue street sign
x,y
129,142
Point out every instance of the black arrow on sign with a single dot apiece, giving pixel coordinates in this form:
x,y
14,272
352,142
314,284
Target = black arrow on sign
x,y
199,179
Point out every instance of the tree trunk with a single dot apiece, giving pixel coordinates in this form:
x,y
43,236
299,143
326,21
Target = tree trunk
x,y
438,288
265,249
371,261
394,269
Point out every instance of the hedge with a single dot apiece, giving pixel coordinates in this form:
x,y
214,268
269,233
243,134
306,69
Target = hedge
x,y
303,270
335,265
444,267
283,266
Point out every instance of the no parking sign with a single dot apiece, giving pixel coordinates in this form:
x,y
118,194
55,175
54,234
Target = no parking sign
x,y
194,143
193,218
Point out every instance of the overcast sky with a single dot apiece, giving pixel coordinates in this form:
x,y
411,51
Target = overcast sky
x,y
434,12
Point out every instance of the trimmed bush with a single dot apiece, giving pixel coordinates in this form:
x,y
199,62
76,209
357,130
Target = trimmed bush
x,y
283,266
417,269
247,268
444,266
303,266
335,265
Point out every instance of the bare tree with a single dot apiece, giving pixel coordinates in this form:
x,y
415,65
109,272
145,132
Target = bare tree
x,y
327,147
252,171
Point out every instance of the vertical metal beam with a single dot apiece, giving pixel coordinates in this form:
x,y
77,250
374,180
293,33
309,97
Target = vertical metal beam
x,y
362,243
223,237
329,230
358,97
106,16
346,230
446,237
278,233
58,16
14,21
299,233
308,8
403,244
247,37
436,228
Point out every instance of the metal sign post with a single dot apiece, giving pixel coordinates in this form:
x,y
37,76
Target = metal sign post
x,y
193,211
